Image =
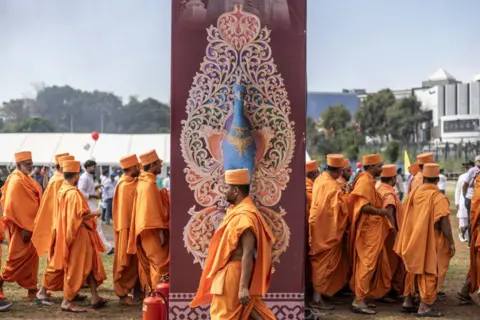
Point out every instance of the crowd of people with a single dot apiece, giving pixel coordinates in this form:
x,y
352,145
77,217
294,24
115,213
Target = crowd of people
x,y
64,222
362,239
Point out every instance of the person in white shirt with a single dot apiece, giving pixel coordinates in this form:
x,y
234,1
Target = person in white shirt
x,y
462,214
166,181
442,181
399,185
467,190
86,185
107,195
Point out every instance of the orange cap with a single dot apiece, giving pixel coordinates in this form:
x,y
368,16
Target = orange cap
x,y
371,159
62,159
129,161
58,156
237,177
426,158
335,160
346,164
431,170
71,166
23,156
389,170
311,166
414,168
149,157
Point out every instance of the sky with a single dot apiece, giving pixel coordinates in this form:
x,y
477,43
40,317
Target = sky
x,y
123,46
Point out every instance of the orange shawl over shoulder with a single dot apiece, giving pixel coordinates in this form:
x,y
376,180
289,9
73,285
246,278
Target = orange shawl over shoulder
x,y
226,239
390,198
416,181
309,190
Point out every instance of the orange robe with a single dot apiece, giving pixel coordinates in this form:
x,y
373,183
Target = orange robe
x,y
328,226
372,275
424,248
20,200
125,266
416,182
342,181
220,281
309,190
78,245
474,269
149,215
43,236
390,198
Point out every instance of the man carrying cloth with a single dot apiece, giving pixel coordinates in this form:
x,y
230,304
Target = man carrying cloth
x,y
392,203
422,160
125,266
44,232
425,242
149,228
370,227
20,200
238,267
328,225
77,244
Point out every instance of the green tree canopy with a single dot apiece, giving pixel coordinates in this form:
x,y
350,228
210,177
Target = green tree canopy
x,y
336,117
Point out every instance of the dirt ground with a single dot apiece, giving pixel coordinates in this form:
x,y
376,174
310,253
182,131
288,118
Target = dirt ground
x,y
23,309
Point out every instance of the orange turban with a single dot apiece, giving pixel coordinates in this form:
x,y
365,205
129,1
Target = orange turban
x,y
149,157
371,159
237,177
425,158
389,170
335,160
58,156
71,166
311,166
431,170
346,164
414,168
129,161
62,159
23,156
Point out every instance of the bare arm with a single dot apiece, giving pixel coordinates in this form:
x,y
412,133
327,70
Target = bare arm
x,y
446,229
92,214
248,243
45,180
369,209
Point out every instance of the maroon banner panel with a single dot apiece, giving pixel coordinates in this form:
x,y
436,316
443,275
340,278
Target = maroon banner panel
x,y
216,45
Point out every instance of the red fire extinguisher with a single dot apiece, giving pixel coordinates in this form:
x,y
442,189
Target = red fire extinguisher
x,y
155,306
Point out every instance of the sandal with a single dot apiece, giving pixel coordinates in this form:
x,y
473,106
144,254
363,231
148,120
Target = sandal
x,y
363,310
464,299
79,298
409,309
100,304
128,301
73,308
44,301
429,314
324,307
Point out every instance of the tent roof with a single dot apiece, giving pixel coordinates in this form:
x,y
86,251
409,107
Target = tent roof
x,y
441,74
106,151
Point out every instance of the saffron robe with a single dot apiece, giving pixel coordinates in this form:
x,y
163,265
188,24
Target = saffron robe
x,y
474,269
416,182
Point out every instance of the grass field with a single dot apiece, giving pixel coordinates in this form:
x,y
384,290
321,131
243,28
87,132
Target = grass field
x,y
23,309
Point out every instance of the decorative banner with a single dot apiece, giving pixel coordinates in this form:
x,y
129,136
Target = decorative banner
x,y
238,99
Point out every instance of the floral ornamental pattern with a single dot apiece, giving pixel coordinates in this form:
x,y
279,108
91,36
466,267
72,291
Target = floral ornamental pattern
x,y
238,51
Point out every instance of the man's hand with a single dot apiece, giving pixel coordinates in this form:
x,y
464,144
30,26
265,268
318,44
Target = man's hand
x,y
452,250
26,236
349,187
162,237
382,212
244,296
96,213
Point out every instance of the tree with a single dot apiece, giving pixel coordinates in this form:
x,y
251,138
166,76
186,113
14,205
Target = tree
x,y
16,110
336,117
393,150
371,116
312,136
403,117
34,125
147,116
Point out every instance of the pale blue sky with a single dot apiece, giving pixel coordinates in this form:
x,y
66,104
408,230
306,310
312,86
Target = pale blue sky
x,y
124,45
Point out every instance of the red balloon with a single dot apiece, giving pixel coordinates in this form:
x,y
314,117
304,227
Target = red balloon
x,y
359,165
95,135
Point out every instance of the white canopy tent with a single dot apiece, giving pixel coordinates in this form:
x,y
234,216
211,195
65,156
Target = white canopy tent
x,y
107,151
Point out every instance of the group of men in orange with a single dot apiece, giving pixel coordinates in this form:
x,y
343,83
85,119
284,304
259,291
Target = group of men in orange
x,y
363,239
61,225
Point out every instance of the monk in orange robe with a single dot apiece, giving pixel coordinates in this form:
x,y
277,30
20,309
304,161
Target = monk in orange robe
x,y
20,200
422,159
328,225
369,229
4,304
238,267
425,242
414,169
149,228
125,266
312,172
392,203
345,176
77,245
44,233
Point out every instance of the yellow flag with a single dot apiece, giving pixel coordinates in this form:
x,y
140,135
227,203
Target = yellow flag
x,y
406,161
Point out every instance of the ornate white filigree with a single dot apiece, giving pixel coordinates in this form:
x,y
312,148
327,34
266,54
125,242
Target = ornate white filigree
x,y
238,51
